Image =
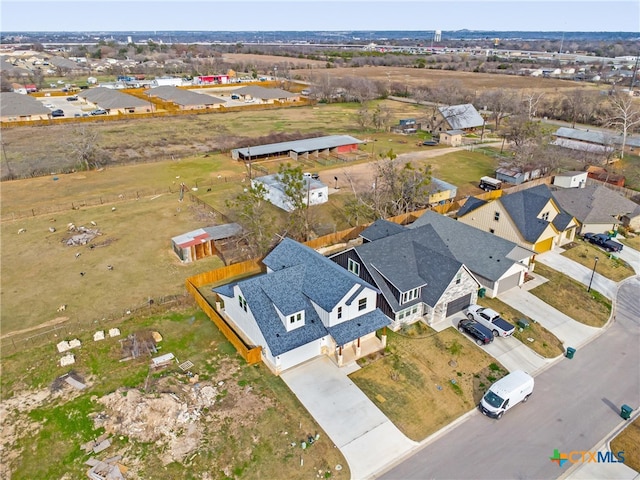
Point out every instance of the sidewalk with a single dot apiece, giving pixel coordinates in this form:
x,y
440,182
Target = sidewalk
x,y
582,274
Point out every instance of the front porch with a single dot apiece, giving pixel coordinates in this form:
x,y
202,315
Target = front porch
x,y
351,353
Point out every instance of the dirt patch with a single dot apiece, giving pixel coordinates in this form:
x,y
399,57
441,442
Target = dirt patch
x,y
178,417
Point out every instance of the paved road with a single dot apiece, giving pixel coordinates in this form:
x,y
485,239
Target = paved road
x,y
574,406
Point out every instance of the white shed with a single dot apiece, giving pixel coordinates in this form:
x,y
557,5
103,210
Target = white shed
x,y
571,179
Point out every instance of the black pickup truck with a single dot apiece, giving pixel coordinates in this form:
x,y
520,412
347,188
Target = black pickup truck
x,y
603,241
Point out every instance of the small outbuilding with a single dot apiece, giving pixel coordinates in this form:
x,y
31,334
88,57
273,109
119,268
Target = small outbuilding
x,y
570,179
452,137
201,243
316,191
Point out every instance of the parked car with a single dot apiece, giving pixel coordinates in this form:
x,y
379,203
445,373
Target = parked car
x,y
72,98
235,96
480,333
315,176
49,105
57,113
603,241
490,319
98,111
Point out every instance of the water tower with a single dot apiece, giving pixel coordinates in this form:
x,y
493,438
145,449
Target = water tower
x,y
437,36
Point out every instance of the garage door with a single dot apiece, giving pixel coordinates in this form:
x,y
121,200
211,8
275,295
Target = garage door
x,y
544,245
508,283
458,305
299,355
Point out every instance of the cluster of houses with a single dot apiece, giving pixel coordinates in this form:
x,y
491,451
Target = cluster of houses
x,y
306,304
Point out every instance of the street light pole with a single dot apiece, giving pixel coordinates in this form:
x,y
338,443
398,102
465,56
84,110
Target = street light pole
x,y
593,273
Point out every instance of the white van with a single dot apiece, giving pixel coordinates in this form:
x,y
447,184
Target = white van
x,y
505,393
488,183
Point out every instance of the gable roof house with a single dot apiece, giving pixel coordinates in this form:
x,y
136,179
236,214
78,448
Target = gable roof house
x,y
16,107
302,307
598,208
114,101
457,117
266,95
532,218
185,99
415,281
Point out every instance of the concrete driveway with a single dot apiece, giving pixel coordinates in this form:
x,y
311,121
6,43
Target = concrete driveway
x,y
510,352
364,435
582,274
632,257
570,332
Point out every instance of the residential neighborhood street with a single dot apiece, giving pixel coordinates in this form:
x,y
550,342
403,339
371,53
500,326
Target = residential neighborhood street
x,y
575,406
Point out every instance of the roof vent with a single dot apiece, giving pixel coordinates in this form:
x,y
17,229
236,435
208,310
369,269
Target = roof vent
x,y
277,334
359,325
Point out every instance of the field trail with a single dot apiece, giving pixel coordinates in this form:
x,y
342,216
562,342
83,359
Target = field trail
x,y
50,323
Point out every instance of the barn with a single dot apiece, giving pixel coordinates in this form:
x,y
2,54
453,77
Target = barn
x,y
311,147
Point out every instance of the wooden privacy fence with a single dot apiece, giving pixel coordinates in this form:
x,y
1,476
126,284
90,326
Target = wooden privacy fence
x,y
251,354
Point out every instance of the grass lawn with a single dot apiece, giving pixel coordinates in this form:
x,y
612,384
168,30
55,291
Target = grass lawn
x,y
628,441
571,297
544,342
463,169
630,241
608,265
417,387
247,433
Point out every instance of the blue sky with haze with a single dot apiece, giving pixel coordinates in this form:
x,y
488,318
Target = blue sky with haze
x,y
264,15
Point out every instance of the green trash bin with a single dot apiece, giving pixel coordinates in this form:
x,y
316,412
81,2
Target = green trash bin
x,y
482,292
570,352
625,412
522,323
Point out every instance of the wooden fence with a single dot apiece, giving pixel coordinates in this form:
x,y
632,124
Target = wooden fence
x,y
251,354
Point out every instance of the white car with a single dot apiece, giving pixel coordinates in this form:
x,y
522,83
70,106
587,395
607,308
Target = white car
x,y
49,105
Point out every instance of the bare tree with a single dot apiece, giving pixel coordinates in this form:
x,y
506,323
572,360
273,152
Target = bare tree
x,y
84,146
381,117
623,116
296,191
500,102
531,101
258,226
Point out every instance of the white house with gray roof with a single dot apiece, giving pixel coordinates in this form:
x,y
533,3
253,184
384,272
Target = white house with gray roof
x,y
463,117
302,307
315,192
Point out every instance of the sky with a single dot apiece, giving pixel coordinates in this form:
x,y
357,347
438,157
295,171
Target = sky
x,y
326,15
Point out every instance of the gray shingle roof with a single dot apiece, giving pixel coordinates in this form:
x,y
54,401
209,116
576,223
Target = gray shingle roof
x,y
595,136
470,205
483,253
182,97
299,146
12,103
460,117
327,282
524,207
300,278
380,229
405,261
594,203
264,93
108,98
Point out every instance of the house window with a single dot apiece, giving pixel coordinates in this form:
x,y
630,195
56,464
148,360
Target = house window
x,y
292,319
458,278
410,295
339,313
353,267
496,216
242,302
545,216
362,304
296,320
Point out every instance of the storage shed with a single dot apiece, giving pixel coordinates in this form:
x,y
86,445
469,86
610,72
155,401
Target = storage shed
x,y
201,243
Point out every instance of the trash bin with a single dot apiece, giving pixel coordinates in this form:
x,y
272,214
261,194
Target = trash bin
x,y
570,352
522,323
625,412
482,292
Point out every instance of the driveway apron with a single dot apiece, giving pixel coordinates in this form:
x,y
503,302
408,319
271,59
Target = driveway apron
x,y
364,435
566,329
